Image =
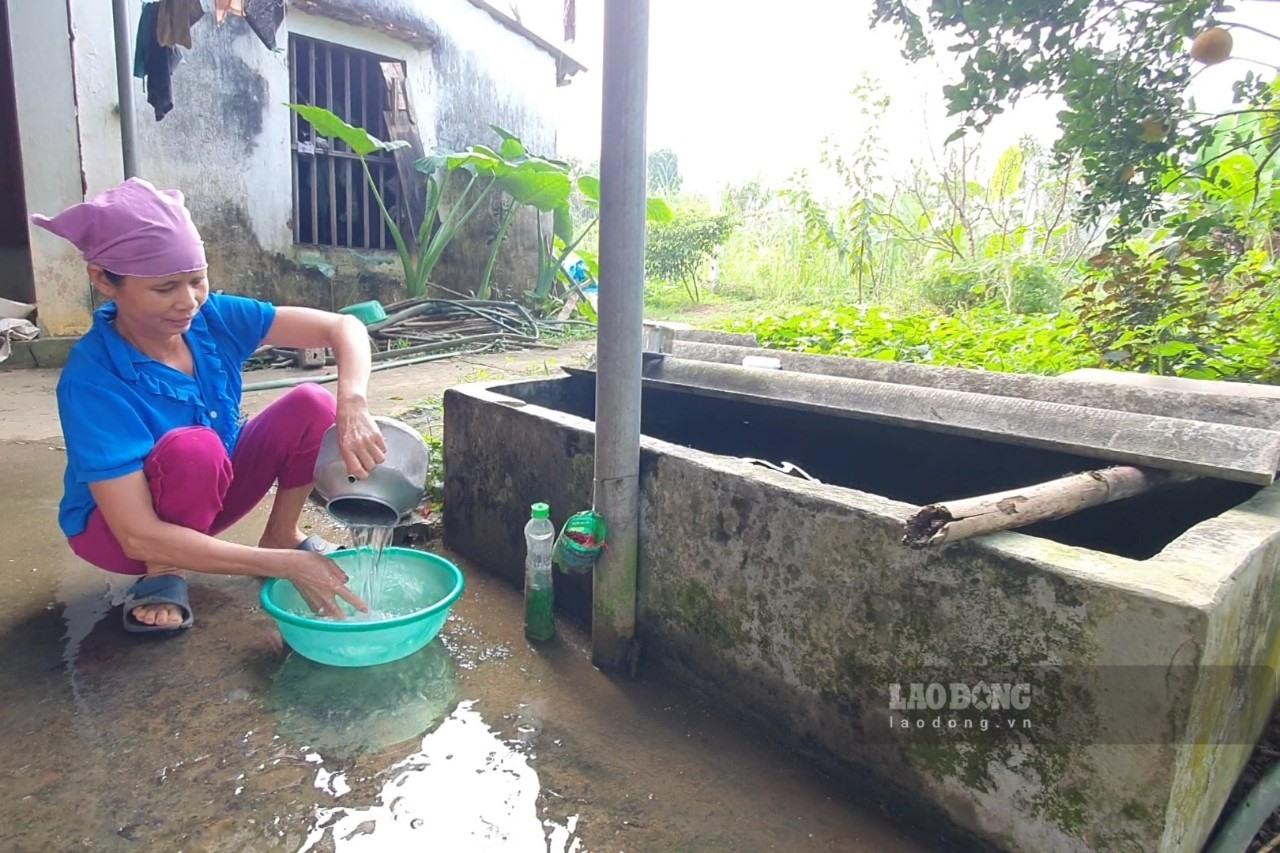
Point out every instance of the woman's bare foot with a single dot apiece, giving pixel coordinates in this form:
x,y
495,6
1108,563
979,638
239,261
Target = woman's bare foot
x,y
159,615
286,541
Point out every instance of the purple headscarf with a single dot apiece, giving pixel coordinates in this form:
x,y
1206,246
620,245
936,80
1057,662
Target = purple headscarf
x,y
132,229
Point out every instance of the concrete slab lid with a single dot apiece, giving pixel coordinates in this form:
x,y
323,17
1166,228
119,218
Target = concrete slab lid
x,y
1173,383
1224,451
1238,403
11,310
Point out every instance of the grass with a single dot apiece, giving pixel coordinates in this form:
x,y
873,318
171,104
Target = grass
x,y
666,302
769,277
769,258
715,311
569,333
782,266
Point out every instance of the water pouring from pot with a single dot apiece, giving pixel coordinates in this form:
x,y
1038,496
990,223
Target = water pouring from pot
x,y
371,508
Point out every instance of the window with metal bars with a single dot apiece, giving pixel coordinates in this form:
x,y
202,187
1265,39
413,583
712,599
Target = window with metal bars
x,y
332,204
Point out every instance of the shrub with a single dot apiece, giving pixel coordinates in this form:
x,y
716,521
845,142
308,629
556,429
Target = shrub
x,y
1023,284
678,251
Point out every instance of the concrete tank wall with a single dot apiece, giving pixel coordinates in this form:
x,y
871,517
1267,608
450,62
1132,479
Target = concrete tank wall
x,y
795,603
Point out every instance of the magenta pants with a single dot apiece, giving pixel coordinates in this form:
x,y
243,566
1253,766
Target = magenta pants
x,y
194,483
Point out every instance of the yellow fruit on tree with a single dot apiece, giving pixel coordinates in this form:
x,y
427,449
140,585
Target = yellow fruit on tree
x,y
1212,46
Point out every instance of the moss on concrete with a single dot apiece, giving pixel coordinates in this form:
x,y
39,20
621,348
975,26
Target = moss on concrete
x,y
693,605
1067,808
967,761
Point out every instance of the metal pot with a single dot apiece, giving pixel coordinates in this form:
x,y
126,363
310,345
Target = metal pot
x,y
392,489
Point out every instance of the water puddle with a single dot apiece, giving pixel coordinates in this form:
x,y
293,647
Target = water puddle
x,y
87,595
330,782
344,712
465,789
469,647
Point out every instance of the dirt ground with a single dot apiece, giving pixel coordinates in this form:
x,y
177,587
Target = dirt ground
x,y
214,741
29,411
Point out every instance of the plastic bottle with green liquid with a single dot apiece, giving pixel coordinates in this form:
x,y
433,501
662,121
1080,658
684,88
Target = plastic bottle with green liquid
x,y
539,540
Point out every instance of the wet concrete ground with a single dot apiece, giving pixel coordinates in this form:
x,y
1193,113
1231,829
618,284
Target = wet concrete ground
x,y
214,741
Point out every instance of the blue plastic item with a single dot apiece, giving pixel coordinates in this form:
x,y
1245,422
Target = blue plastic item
x,y
419,588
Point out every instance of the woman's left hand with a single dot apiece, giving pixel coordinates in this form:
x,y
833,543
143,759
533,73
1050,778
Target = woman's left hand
x,y
359,440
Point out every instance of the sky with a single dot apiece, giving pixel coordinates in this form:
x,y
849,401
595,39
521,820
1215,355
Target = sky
x,y
749,89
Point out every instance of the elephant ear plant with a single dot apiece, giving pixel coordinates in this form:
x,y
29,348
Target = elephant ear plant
x,y
524,180
419,252
565,240
548,186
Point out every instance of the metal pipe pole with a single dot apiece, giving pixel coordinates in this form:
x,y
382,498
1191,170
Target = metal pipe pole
x,y
619,350
124,83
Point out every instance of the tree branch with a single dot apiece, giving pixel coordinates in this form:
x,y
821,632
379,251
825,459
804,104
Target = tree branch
x,y
1237,25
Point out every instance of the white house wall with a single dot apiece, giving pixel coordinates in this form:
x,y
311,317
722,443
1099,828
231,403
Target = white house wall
x,y
226,143
94,49
488,75
46,101
519,85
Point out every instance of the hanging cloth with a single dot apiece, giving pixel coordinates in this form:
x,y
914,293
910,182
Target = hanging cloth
x,y
154,63
175,20
265,18
223,8
570,20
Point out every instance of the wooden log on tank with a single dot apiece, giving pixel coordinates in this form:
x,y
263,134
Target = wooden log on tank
x,y
952,521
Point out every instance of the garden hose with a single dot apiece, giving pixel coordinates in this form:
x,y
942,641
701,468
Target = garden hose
x,y
290,382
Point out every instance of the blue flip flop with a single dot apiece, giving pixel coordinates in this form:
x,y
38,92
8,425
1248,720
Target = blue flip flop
x,y
157,589
317,545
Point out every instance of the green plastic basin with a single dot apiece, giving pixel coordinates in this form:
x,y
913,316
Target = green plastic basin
x,y
419,588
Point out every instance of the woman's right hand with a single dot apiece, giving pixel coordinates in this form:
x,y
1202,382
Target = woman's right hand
x,y
321,583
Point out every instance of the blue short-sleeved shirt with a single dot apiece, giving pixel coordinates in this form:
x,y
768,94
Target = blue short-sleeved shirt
x,y
116,403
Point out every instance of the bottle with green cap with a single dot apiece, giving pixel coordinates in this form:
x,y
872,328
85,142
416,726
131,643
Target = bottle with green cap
x,y
539,541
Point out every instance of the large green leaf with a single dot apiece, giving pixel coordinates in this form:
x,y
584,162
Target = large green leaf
x,y
592,260
590,186
563,223
542,164
512,148
479,159
543,190
1172,348
329,125
659,211
430,165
